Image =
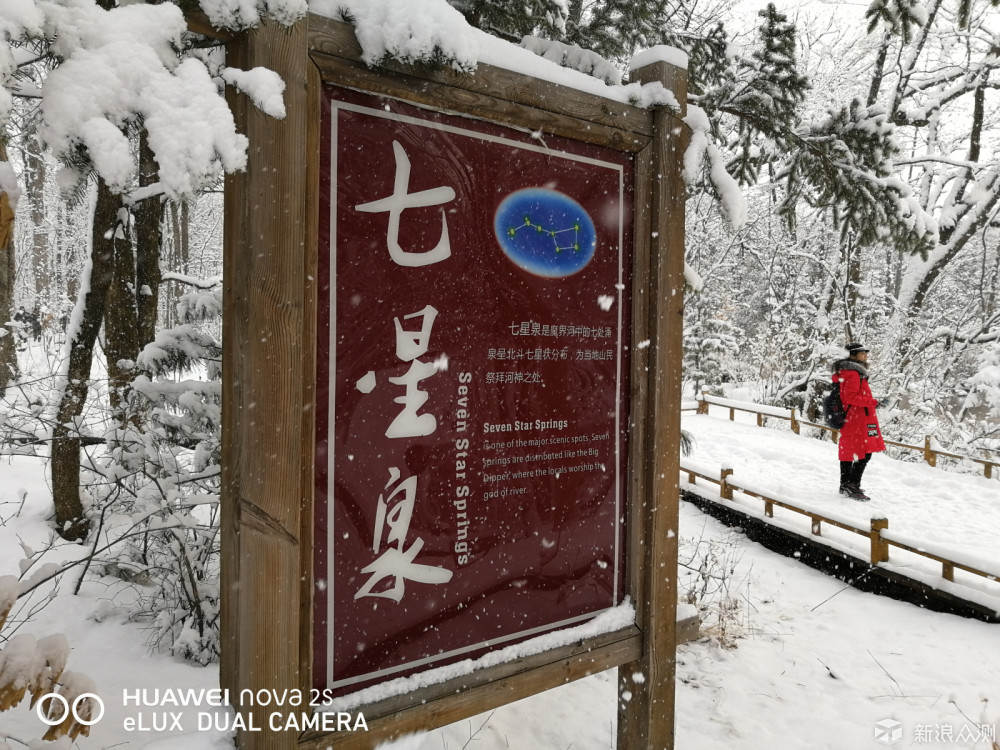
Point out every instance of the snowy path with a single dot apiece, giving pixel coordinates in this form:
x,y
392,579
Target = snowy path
x,y
952,513
951,509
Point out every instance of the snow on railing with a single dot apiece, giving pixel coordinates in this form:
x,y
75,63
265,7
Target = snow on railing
x,y
764,412
878,534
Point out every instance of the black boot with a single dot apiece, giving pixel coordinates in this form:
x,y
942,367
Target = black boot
x,y
845,477
856,493
850,479
857,471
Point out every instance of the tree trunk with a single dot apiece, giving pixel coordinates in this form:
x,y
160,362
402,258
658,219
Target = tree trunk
x,y
69,255
876,83
180,222
121,340
130,316
71,522
149,237
34,184
851,257
8,353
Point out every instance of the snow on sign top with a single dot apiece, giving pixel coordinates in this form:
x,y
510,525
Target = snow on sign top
x,y
660,53
414,31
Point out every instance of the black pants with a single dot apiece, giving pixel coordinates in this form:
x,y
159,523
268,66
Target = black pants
x,y
851,471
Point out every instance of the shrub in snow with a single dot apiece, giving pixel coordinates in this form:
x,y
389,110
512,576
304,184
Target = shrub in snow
x,y
710,582
156,491
36,667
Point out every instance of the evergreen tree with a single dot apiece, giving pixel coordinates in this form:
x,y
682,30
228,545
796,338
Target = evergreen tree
x,y
762,93
617,29
711,347
898,17
844,165
514,19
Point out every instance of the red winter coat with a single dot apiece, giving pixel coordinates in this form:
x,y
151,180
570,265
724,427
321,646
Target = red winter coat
x,y
861,434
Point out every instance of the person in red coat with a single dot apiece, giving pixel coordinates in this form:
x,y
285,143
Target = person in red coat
x,y
861,435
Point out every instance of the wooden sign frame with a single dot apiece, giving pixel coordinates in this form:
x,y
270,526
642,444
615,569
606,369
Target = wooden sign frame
x,y
269,365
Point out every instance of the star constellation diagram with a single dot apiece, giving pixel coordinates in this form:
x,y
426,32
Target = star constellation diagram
x,y
545,232
529,224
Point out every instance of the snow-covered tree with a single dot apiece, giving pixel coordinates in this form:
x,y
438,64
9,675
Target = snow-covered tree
x,y
927,72
131,101
709,356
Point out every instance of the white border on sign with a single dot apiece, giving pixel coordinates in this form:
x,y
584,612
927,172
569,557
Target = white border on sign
x,y
335,107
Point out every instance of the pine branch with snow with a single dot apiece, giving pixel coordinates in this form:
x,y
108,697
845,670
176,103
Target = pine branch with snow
x,y
512,21
898,17
845,165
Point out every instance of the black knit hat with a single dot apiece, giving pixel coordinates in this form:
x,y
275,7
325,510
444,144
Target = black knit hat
x,y
855,348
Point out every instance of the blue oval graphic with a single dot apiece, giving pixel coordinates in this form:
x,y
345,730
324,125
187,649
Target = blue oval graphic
x,y
545,232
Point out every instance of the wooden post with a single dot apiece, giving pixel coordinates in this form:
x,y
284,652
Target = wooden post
x,y
988,470
929,455
795,422
880,549
948,571
725,491
702,406
817,528
732,414
760,419
268,363
646,703
768,508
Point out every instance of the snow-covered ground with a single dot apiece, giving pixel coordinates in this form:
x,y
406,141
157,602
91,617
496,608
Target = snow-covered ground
x,y
793,658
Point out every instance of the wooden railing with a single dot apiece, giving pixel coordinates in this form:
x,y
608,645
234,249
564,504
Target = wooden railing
x,y
791,415
878,534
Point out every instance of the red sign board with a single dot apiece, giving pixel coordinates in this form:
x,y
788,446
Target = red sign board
x,y
472,387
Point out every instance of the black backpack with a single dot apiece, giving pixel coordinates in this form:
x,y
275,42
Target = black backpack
x,y
834,412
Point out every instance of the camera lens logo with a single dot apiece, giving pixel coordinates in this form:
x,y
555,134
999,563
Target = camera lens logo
x,y
80,710
888,731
